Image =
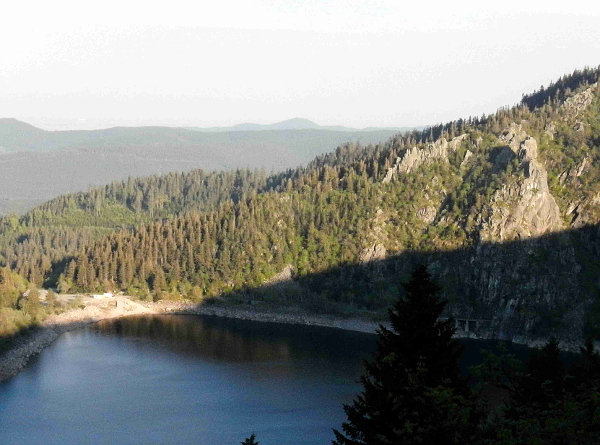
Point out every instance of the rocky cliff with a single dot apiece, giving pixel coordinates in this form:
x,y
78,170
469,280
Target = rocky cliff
x,y
504,209
528,268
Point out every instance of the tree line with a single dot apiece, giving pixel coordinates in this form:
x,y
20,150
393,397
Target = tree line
x,y
199,233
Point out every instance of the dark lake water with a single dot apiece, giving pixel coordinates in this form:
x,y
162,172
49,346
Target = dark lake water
x,y
188,379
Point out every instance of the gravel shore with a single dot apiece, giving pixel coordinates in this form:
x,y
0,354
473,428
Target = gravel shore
x,y
270,316
15,359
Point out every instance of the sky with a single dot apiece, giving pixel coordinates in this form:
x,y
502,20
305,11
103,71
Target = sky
x,y
377,63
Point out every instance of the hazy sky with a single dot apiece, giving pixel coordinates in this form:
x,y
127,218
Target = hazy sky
x,y
369,63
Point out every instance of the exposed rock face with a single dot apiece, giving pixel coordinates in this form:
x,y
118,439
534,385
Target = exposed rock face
x,y
516,288
513,136
524,207
414,157
376,240
581,168
465,160
585,211
579,102
391,173
528,150
427,214
373,253
524,279
575,172
456,142
284,276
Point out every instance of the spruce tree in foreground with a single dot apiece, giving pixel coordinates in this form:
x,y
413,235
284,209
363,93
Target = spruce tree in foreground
x,y
546,404
413,388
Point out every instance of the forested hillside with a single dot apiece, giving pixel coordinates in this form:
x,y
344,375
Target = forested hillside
x,y
503,208
37,165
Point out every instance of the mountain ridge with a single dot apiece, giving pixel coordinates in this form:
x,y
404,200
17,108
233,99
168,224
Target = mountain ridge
x,y
297,124
57,162
504,210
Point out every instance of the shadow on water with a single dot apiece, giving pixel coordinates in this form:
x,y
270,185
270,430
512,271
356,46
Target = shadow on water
x,y
234,340
240,341
186,379
190,379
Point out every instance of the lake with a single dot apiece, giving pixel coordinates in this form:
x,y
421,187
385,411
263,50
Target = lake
x,y
188,379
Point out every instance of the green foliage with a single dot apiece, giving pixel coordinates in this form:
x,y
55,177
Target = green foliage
x,y
413,391
543,402
219,233
592,321
563,88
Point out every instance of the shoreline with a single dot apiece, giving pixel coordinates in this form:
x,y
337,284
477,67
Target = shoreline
x,y
16,358
28,345
267,315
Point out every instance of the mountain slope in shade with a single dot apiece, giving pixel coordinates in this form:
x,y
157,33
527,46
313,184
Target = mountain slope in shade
x,y
504,210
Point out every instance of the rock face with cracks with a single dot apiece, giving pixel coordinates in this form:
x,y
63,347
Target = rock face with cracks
x,y
414,157
524,207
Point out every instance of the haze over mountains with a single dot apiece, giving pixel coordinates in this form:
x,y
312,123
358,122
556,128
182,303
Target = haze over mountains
x,y
297,124
36,165
505,210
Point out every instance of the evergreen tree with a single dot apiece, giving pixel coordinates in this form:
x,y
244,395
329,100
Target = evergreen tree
x,y
541,386
250,440
413,389
546,403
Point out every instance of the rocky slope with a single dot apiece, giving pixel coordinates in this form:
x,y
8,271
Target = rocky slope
x,y
528,268
504,209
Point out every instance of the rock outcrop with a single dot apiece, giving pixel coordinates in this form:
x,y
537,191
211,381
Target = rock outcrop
x,y
427,214
513,136
524,207
465,161
414,157
376,240
373,253
575,104
584,212
285,276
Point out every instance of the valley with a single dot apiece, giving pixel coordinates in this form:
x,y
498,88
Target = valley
x,y
494,221
30,157
503,209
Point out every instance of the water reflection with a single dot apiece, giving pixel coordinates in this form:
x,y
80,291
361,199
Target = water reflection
x,y
185,379
239,341
195,335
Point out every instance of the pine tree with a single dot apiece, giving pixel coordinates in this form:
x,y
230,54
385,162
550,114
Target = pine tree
x,y
547,404
413,389
250,440
542,385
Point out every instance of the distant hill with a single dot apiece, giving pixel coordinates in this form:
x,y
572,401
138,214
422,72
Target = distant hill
x,y
503,209
298,124
37,165
18,136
